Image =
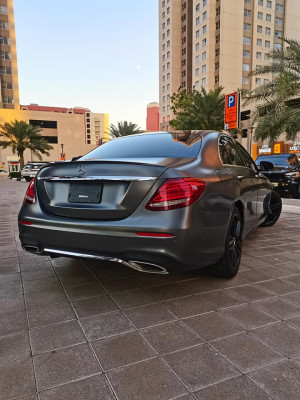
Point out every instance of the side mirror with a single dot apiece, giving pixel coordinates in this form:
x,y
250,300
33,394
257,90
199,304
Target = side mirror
x,y
266,166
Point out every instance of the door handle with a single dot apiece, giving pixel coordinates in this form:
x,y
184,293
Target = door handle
x,y
240,177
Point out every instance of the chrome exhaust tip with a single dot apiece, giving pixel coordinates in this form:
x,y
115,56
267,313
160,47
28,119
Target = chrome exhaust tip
x,y
32,249
149,268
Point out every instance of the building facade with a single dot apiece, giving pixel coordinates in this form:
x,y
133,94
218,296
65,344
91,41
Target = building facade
x,y
9,88
212,43
152,122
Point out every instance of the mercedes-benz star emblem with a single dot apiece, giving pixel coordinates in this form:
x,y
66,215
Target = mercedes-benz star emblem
x,y
81,169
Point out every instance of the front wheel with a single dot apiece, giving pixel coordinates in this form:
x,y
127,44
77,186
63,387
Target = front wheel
x,y
228,265
274,210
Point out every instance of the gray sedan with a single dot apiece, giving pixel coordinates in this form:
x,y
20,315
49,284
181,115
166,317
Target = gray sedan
x,y
160,202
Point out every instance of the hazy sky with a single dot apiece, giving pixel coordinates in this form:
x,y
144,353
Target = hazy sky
x,y
99,54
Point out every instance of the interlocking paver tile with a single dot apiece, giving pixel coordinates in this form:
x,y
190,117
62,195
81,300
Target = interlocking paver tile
x,y
101,326
212,326
188,306
281,380
13,322
51,337
278,287
246,352
119,285
147,380
63,366
94,305
39,285
220,299
14,346
152,314
16,379
11,304
50,314
170,337
121,350
133,298
79,292
279,307
240,388
37,274
46,297
167,292
280,336
93,388
247,316
200,366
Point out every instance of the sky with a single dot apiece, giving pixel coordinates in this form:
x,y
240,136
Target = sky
x,y
98,54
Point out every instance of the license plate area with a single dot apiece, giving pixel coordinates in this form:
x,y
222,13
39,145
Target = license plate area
x,y
275,183
85,193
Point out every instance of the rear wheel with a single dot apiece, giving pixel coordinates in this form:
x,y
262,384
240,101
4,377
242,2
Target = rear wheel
x,y
27,178
229,264
274,210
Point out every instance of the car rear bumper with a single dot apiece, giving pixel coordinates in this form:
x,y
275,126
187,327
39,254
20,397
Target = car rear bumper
x,y
189,247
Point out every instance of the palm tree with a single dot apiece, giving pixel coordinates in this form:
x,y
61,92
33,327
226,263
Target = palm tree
x,y
21,136
123,129
278,101
195,109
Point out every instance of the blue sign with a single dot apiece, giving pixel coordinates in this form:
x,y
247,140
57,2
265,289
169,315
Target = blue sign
x,y
231,101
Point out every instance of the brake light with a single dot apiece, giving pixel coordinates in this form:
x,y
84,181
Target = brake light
x,y
155,234
176,193
30,195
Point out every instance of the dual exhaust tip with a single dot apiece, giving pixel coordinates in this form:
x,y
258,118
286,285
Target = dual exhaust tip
x,y
140,266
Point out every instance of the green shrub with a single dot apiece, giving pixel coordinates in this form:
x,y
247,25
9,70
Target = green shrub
x,y
15,174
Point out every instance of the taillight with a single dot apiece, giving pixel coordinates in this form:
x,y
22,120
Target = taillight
x,y
176,193
30,195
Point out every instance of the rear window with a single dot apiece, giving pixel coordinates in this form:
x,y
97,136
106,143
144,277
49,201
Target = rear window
x,y
164,145
280,160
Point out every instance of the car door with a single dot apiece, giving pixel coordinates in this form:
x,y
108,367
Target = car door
x,y
245,177
263,188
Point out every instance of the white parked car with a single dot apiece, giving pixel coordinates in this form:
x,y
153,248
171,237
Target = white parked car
x,y
31,169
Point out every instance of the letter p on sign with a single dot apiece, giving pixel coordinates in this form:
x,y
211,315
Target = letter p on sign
x,y
231,101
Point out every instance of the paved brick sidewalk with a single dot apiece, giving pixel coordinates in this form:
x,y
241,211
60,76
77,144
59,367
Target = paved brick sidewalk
x,y
94,331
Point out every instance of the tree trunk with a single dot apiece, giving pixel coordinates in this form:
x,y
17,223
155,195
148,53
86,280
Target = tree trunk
x,y
21,155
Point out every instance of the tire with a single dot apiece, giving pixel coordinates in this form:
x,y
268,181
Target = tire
x,y
228,265
274,210
27,178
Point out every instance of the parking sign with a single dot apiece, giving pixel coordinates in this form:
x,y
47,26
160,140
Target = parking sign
x,y
232,111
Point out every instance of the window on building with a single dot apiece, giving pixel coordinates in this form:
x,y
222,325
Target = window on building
x,y
277,46
268,17
43,124
163,47
197,21
168,32
279,8
279,21
168,43
204,55
183,73
203,68
259,28
258,68
217,52
247,13
246,67
204,3
163,68
5,70
204,42
197,46
168,75
217,79
168,54
278,34
168,10
267,56
183,40
197,34
163,25
204,28
183,51
268,31
163,4
163,57
164,78
204,15
163,36
218,25
217,65
163,14
218,10
246,53
247,27
183,18
3,10
168,86
260,2
248,1
217,38
164,99
4,55
183,29
267,44
197,72
257,81
246,40
4,40
197,85
258,55
197,60
203,82
168,65
168,21
245,80
163,89
259,42
260,15
198,7
3,25
269,4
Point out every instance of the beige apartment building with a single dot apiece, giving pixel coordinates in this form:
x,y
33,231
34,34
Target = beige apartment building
x,y
9,89
212,43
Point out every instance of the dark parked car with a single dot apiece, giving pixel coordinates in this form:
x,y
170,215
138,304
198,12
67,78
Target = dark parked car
x,y
284,173
158,203
30,170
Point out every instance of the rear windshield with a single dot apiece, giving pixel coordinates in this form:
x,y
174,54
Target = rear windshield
x,y
160,145
280,160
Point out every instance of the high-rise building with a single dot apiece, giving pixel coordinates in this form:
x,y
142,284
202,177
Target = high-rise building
x,y
212,43
152,122
9,92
